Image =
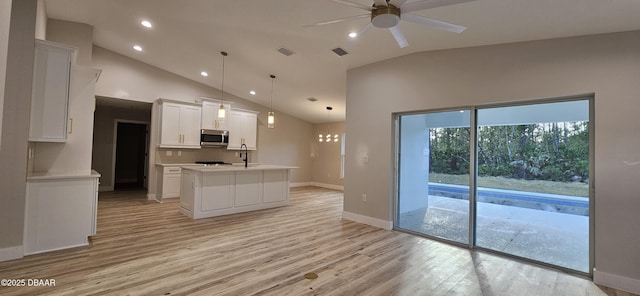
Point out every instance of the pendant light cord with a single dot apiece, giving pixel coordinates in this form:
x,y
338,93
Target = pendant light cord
x,y
224,54
271,103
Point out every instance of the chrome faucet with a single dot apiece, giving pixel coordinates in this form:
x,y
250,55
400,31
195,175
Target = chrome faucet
x,y
246,155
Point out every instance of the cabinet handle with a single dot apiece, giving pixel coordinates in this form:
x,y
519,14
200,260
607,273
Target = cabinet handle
x,y
70,126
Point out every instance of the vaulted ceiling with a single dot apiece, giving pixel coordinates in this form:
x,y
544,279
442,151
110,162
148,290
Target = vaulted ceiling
x,y
188,35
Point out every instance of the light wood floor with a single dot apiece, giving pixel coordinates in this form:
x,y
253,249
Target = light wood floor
x,y
147,248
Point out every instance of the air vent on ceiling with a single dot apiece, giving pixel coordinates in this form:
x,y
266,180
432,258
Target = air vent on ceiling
x,y
285,51
311,99
339,51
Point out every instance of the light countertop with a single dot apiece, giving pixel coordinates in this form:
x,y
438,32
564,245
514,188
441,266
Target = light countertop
x,y
54,175
236,167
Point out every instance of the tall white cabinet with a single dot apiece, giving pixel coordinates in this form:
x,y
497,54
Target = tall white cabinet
x,y
243,129
179,124
50,92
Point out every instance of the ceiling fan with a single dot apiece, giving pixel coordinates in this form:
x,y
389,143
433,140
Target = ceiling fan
x,y
387,14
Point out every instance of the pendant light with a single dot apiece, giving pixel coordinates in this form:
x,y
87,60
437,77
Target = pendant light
x,y
327,138
271,118
221,111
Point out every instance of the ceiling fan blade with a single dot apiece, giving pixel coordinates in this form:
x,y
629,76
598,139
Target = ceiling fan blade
x,y
426,4
418,19
400,39
380,3
356,5
397,3
339,20
365,29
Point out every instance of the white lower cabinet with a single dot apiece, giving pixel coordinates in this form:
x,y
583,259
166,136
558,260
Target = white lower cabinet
x,y
60,213
170,182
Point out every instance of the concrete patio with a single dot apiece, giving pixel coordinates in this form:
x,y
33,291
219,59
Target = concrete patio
x,y
550,237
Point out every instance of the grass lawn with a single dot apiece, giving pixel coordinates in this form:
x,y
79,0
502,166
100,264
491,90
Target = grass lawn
x,y
564,188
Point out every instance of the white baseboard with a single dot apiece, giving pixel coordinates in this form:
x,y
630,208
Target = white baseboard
x,y
11,253
328,186
105,188
151,196
300,184
616,281
384,224
316,184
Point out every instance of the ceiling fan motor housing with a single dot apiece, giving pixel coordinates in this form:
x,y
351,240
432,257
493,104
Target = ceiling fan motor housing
x,y
385,16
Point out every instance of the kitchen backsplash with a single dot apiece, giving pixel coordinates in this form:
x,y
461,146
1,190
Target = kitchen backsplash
x,y
193,155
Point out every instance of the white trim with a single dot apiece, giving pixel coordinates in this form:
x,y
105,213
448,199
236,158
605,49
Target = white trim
x,y
616,281
57,249
329,186
300,184
152,196
384,224
11,253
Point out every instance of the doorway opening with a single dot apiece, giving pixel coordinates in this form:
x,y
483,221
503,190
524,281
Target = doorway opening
x,y
130,155
511,179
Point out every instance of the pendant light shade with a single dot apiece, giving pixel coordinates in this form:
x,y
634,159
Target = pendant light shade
x,y
221,111
271,118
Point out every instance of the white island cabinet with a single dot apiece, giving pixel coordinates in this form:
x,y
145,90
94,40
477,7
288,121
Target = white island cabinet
x,y
208,191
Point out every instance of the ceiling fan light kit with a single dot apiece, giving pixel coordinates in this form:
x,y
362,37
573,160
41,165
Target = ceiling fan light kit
x,y
385,16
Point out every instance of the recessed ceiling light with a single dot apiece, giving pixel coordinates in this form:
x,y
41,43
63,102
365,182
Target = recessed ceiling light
x,y
203,73
353,35
146,24
253,92
137,47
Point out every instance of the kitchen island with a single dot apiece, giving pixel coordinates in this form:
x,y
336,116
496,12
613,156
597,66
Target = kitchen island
x,y
214,190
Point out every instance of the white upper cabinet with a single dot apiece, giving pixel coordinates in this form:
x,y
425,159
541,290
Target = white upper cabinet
x,y
210,118
50,92
179,125
243,129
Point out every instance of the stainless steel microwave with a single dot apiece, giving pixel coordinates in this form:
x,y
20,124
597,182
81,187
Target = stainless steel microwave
x,y
209,138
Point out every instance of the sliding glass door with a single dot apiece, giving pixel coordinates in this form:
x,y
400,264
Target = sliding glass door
x,y
533,175
433,191
528,186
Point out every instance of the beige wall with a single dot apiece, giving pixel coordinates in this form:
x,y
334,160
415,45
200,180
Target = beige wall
x,y
15,127
5,17
125,78
326,156
607,65
103,145
74,34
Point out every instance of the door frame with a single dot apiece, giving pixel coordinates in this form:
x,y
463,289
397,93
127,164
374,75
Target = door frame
x,y
115,146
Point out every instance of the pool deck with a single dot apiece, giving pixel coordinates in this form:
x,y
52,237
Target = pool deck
x,y
551,237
